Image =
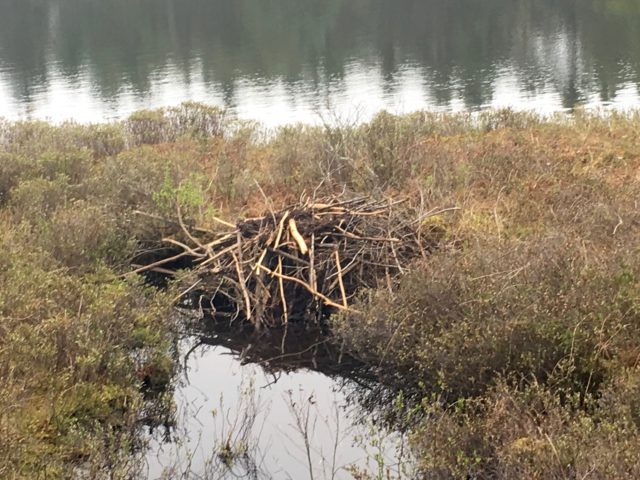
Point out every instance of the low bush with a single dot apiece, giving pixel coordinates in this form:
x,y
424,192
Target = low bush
x,y
516,331
70,368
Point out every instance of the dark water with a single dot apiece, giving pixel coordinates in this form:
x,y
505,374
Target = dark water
x,y
287,60
265,392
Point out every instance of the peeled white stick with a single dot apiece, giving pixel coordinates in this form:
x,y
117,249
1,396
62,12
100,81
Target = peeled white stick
x,y
293,229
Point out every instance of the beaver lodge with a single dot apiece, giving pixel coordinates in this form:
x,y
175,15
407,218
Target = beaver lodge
x,y
304,261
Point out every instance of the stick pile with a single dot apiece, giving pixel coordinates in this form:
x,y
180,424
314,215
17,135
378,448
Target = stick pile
x,y
303,261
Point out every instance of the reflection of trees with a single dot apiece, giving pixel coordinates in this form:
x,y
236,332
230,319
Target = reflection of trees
x,y
613,28
20,21
577,45
306,347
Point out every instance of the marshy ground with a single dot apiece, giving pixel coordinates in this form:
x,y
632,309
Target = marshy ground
x,y
517,341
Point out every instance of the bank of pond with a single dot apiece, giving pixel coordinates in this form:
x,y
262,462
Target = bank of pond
x,y
187,295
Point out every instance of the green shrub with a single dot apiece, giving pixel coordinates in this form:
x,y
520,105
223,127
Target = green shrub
x,y
66,355
12,168
83,235
147,127
151,127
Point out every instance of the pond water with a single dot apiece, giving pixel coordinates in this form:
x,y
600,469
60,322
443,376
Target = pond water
x,y
247,401
280,61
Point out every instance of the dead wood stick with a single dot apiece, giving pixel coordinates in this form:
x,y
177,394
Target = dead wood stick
x,y
184,247
433,213
222,222
293,229
167,220
340,282
289,256
185,230
325,299
390,204
312,267
262,296
368,239
395,256
238,262
320,206
351,264
243,287
164,271
345,271
354,201
329,210
219,254
221,240
276,243
155,264
374,213
283,298
183,293
333,212
259,262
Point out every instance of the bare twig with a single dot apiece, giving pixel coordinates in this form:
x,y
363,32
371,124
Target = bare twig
x,y
313,292
340,282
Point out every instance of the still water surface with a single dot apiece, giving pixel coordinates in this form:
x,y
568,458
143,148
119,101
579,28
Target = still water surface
x,y
281,61
268,394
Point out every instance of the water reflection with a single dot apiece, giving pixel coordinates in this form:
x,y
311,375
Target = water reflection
x,y
298,60
248,400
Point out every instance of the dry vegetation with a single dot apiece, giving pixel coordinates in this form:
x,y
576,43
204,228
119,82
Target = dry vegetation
x,y
521,333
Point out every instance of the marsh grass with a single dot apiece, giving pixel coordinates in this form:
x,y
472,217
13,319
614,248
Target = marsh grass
x,y
521,333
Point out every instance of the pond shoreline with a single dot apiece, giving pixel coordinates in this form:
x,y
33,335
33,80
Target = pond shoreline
x,y
513,347
254,387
